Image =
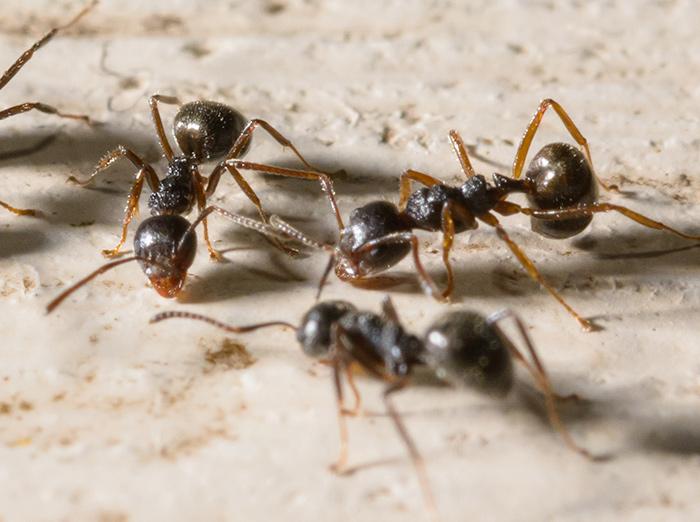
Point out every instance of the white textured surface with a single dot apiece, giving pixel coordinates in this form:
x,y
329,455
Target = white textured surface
x,y
103,417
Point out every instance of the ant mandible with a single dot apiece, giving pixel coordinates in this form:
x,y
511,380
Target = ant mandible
x,y
560,185
204,130
462,348
165,246
37,106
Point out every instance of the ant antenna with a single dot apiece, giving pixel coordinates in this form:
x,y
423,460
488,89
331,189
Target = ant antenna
x,y
245,222
223,326
104,268
293,233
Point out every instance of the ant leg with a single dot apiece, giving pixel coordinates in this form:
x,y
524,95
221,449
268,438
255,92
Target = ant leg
x,y
340,464
19,211
112,156
427,283
526,140
201,204
448,234
131,210
405,184
461,151
532,271
158,122
213,181
42,107
389,310
416,458
323,179
145,172
587,210
538,372
252,196
357,408
27,55
246,135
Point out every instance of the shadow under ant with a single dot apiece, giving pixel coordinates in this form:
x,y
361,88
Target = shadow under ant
x,y
679,435
79,147
233,279
17,241
350,177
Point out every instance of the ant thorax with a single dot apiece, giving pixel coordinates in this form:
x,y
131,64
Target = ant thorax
x,y
176,193
424,205
394,350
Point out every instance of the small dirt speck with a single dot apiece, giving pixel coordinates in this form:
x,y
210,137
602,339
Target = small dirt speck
x,y
229,354
196,49
274,8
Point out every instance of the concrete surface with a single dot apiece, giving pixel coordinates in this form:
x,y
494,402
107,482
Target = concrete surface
x,y
103,417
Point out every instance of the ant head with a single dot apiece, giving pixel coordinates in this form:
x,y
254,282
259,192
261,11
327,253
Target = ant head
x,y
206,130
166,248
465,350
560,177
373,221
314,332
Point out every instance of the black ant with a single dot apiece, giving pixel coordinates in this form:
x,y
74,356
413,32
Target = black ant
x,y
204,130
37,106
560,185
462,348
165,246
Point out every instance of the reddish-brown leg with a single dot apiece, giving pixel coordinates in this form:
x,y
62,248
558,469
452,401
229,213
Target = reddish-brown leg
x,y
389,310
416,458
532,271
41,107
461,151
538,372
405,184
19,211
158,122
241,144
27,55
145,172
587,210
357,407
131,210
448,236
427,283
323,180
527,138
340,464
201,204
21,62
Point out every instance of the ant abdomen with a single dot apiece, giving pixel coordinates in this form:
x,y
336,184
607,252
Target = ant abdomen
x,y
374,221
561,178
166,247
314,333
206,130
464,349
